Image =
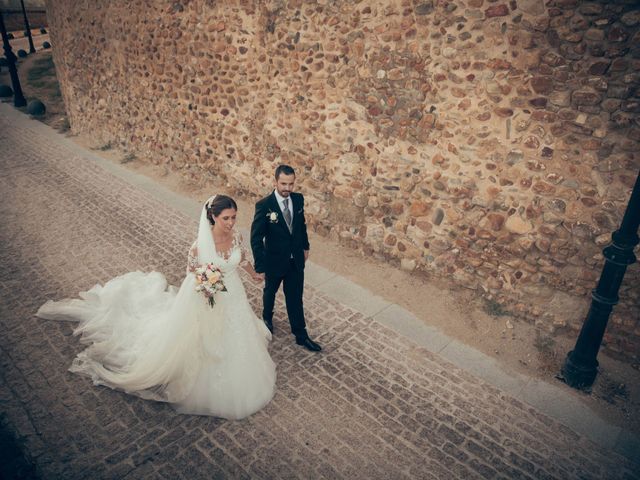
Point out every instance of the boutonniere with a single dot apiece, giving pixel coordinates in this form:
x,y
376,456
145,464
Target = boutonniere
x,y
273,217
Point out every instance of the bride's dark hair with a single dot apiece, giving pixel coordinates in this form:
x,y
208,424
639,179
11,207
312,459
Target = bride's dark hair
x,y
220,203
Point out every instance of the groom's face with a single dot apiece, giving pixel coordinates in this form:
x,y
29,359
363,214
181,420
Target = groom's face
x,y
284,184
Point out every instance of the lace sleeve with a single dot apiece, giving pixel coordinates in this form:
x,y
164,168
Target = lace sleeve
x,y
243,250
192,258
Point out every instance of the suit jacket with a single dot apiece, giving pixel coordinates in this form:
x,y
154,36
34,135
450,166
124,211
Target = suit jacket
x,y
271,242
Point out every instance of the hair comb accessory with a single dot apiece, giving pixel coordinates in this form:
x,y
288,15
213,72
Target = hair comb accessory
x,y
209,201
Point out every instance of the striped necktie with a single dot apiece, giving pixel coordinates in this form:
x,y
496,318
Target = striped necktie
x,y
287,213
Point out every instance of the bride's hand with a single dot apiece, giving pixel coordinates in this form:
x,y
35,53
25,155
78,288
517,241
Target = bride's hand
x,y
258,277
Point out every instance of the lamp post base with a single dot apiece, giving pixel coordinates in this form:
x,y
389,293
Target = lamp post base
x,y
578,375
581,366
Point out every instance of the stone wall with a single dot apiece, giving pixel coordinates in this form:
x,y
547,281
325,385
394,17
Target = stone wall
x,y
492,142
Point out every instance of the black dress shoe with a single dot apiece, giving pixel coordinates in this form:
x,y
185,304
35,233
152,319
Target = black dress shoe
x,y
309,344
269,325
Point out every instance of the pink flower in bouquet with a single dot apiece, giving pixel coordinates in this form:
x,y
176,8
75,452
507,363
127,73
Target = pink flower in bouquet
x,y
209,282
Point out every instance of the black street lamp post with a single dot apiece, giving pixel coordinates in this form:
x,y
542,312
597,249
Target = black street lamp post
x,y
581,366
18,97
32,49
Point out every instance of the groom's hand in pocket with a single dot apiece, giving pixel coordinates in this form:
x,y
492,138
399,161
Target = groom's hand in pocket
x,y
306,255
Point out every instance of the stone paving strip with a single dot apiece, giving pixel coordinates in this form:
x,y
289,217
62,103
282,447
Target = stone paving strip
x,y
372,405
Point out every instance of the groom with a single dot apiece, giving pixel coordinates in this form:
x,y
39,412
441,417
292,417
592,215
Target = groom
x,y
280,249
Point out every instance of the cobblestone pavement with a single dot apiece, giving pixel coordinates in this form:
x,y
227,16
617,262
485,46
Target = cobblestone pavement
x,y
371,405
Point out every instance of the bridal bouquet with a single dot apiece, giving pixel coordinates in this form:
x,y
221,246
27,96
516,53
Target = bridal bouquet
x,y
209,280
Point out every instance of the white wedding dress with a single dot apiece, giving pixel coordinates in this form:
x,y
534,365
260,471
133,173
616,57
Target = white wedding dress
x,y
161,343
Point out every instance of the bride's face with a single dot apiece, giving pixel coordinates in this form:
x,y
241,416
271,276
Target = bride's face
x,y
226,220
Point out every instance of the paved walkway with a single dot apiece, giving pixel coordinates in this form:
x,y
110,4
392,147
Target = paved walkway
x,y
374,404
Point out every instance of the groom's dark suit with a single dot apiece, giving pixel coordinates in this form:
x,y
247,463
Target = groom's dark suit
x,y
279,254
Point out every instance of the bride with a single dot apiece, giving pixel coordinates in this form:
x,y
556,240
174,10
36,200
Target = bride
x,y
167,344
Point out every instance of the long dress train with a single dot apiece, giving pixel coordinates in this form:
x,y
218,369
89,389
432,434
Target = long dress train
x,y
161,343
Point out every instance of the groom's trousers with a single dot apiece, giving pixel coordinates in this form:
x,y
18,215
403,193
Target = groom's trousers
x,y
293,280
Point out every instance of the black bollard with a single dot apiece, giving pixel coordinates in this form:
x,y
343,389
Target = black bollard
x,y
32,48
581,365
18,97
